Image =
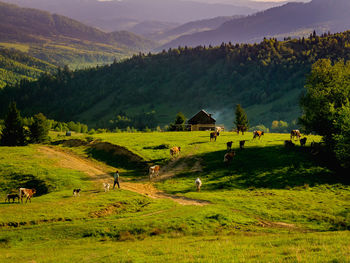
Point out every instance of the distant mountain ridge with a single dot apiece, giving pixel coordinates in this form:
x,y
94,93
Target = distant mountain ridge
x,y
60,40
292,19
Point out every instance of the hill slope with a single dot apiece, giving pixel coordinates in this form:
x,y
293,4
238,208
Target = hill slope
x,y
292,19
61,40
267,79
16,65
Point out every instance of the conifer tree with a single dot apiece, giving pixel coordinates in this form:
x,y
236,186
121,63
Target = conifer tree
x,y
13,132
39,130
241,122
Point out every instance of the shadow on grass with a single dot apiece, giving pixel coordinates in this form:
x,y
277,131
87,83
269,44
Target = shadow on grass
x,y
17,180
269,167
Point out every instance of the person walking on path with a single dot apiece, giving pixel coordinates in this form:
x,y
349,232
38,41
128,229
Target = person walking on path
x,y
116,179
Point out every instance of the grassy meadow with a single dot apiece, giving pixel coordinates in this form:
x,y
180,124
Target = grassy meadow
x,y
271,204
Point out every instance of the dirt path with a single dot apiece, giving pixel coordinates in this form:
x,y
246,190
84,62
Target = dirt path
x,y
102,174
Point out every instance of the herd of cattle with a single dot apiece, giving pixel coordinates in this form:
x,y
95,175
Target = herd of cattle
x,y
174,152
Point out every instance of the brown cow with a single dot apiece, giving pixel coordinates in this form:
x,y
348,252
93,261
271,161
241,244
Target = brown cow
x,y
241,128
154,171
258,134
13,197
229,157
303,141
295,134
241,144
213,135
289,144
229,145
26,192
175,151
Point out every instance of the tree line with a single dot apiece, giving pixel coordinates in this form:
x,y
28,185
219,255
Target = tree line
x,y
183,79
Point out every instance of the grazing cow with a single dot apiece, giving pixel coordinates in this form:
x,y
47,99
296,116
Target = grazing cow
x,y
229,157
229,145
241,144
26,192
303,141
295,134
13,197
198,183
76,192
289,144
213,135
106,186
154,171
241,128
258,134
175,151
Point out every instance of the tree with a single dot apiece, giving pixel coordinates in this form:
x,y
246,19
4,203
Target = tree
x,y
241,122
39,130
179,123
13,133
326,107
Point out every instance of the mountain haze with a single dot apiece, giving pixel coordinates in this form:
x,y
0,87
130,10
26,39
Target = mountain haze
x,y
113,15
292,19
61,40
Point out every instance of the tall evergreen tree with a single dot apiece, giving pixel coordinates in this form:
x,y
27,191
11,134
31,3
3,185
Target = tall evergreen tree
x,y
242,123
13,132
39,130
179,124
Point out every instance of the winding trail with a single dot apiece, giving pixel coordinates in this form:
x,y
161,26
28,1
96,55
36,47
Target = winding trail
x,y
99,174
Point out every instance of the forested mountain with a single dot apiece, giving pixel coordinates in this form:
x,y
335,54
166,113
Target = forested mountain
x,y
292,19
266,79
61,40
16,65
113,15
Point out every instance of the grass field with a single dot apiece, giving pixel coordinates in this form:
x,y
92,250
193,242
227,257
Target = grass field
x,y
271,204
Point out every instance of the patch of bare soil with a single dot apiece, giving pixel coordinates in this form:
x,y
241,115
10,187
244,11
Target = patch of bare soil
x,y
72,161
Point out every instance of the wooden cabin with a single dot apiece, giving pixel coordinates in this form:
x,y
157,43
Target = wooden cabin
x,y
202,121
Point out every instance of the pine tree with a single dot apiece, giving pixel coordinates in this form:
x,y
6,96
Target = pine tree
x,y
39,130
241,122
13,132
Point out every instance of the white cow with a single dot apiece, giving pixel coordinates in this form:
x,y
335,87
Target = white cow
x,y
198,184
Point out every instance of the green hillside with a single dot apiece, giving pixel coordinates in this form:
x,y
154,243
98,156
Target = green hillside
x,y
266,78
271,204
63,41
16,65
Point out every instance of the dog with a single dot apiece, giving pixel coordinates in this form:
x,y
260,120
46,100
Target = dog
x,y
76,192
106,186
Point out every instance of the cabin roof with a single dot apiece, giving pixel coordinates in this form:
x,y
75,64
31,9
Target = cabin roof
x,y
202,117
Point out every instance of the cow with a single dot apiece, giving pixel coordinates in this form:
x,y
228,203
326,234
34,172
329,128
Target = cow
x,y
241,144
106,186
229,157
229,145
289,144
13,197
76,192
175,151
303,141
258,134
26,192
295,134
198,183
154,171
241,128
213,135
